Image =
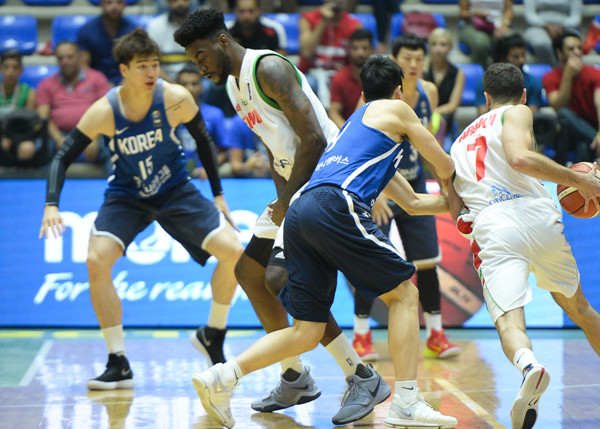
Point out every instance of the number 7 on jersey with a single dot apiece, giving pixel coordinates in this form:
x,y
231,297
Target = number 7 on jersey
x,y
480,148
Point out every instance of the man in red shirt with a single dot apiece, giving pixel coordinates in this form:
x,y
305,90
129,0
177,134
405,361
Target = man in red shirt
x,y
345,84
573,91
324,40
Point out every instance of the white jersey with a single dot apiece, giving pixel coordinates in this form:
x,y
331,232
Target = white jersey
x,y
265,117
483,175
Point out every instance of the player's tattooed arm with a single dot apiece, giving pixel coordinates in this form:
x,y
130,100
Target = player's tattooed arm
x,y
277,178
279,81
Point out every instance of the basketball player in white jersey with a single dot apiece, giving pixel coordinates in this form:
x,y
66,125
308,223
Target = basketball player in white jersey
x,y
516,228
276,102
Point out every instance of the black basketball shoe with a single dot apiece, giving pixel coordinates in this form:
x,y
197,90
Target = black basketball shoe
x,y
209,342
118,375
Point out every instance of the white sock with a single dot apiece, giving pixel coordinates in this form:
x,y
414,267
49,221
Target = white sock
x,y
293,362
361,325
432,321
407,390
345,355
217,317
523,358
114,339
231,373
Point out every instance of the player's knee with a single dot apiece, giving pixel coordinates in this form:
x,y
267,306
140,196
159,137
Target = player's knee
x,y
275,279
406,294
96,263
309,335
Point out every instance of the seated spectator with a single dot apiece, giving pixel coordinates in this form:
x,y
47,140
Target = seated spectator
x,y
97,38
572,89
172,55
324,41
190,78
252,30
16,96
545,20
383,11
481,23
345,84
244,157
65,96
450,82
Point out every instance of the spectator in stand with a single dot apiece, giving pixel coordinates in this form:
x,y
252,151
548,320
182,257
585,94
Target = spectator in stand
x,y
97,38
448,79
245,159
65,96
324,41
573,91
345,84
172,56
383,11
252,30
545,20
481,23
189,77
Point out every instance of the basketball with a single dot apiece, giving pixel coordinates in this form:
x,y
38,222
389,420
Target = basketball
x,y
571,200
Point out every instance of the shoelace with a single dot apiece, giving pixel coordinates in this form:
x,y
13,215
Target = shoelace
x,y
352,391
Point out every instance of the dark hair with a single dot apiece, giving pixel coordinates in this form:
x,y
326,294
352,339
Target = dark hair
x,y
361,34
188,68
503,82
379,77
559,40
410,41
66,42
135,43
202,24
11,54
505,44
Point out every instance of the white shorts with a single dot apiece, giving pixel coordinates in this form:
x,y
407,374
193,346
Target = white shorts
x,y
264,227
514,238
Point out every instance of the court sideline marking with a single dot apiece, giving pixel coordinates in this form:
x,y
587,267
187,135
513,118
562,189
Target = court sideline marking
x,y
472,405
37,362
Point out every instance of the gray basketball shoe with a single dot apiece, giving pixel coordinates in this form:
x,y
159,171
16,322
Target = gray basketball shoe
x,y
289,393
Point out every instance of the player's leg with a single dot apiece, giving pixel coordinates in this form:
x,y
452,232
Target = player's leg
x,y
363,340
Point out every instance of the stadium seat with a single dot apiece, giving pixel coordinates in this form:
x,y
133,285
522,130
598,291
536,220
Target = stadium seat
x,y
368,21
292,30
2,2
398,20
18,32
473,74
34,74
65,27
47,2
128,2
538,71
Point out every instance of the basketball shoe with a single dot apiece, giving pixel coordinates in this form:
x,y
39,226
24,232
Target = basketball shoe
x,y
438,346
289,393
363,344
361,396
417,414
215,395
118,375
209,342
524,409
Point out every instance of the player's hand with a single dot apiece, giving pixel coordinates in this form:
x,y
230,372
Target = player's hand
x,y
221,205
52,222
278,211
590,189
382,213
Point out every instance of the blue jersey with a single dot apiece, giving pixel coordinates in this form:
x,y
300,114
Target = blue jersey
x,y
361,160
148,159
410,166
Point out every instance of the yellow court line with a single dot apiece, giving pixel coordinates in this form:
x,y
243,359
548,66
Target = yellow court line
x,y
21,334
472,405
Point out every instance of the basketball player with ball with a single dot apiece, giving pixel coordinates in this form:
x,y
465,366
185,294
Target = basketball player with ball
x,y
516,227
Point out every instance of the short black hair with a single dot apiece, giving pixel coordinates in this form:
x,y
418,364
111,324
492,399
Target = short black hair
x,y
503,82
66,42
361,34
379,77
11,54
559,40
410,41
135,43
188,68
201,24
505,44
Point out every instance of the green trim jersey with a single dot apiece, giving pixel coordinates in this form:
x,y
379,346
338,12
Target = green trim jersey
x,y
483,175
265,117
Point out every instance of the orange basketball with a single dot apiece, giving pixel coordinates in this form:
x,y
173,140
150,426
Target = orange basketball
x,y
571,200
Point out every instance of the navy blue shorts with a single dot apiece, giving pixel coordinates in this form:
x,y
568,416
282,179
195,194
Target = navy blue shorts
x,y
327,229
183,213
418,233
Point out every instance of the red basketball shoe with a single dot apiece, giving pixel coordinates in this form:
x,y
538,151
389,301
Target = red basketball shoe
x,y
363,344
438,346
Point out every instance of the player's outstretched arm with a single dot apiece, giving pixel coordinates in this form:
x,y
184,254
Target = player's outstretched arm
x,y
279,81
400,191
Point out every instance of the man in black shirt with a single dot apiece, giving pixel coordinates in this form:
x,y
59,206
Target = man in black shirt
x,y
251,30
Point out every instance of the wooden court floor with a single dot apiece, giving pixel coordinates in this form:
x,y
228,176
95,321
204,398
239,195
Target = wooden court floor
x,y
43,374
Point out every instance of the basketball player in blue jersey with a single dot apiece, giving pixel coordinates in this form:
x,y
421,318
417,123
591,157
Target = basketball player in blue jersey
x,y
276,102
149,182
329,227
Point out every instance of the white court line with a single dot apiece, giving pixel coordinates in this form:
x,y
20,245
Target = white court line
x,y
472,405
37,362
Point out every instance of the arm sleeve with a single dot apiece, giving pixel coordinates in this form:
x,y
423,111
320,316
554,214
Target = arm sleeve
x,y
206,151
72,147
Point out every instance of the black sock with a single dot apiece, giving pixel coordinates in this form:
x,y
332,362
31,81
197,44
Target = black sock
x,y
363,371
291,374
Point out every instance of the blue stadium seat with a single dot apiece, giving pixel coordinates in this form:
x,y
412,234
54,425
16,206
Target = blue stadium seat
x,y
2,2
292,30
65,27
33,75
538,71
47,2
18,32
140,20
368,21
128,2
473,74
398,20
